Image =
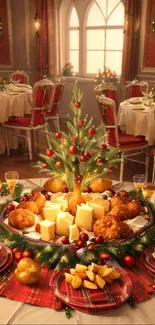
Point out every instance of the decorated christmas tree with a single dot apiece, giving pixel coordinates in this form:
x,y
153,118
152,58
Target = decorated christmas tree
x,y
80,155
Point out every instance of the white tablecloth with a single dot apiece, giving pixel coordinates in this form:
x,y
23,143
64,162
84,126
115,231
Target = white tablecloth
x,y
136,121
14,312
15,102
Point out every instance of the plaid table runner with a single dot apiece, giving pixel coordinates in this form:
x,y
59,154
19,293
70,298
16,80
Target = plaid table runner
x,y
41,293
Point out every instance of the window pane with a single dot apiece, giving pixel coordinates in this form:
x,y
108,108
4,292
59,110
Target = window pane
x,y
117,17
95,61
74,59
95,17
111,5
102,5
74,40
114,39
74,21
114,61
95,39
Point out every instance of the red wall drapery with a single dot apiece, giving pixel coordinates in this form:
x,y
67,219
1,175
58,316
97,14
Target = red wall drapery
x,y
131,39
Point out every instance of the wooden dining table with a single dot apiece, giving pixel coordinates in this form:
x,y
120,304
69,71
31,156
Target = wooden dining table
x,y
15,100
17,312
137,119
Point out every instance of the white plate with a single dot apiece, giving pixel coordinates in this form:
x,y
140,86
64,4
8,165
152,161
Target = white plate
x,y
135,100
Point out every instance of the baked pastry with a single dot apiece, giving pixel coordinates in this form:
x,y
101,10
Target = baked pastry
x,y
39,200
126,211
110,228
54,185
119,201
30,205
21,218
101,184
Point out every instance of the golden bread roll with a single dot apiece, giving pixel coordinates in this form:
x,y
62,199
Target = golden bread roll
x,y
119,201
30,205
101,184
39,200
54,185
21,218
127,211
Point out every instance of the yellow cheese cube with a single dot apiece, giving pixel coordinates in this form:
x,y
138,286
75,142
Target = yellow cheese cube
x,y
84,217
98,210
47,230
74,232
63,221
100,201
50,212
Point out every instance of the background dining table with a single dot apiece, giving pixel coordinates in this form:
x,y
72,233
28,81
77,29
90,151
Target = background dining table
x,y
137,119
15,100
16,312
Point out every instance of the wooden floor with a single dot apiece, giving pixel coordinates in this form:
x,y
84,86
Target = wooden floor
x,y
19,161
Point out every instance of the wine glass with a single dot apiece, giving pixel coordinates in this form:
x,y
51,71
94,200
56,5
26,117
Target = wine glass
x,y
11,178
139,181
148,190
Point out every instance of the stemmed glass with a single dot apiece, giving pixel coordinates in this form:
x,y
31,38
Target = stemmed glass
x,y
139,181
11,178
148,191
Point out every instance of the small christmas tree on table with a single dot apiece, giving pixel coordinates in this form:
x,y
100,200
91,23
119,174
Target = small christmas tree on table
x,y
80,155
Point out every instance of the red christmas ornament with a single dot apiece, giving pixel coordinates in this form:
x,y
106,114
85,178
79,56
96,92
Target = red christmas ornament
x,y
129,260
83,158
65,241
10,207
91,247
59,164
73,150
49,152
79,178
80,243
104,256
81,124
92,132
111,167
15,250
58,135
88,189
27,253
77,104
99,239
124,193
65,190
103,146
87,154
99,161
47,196
45,165
18,256
84,236
74,139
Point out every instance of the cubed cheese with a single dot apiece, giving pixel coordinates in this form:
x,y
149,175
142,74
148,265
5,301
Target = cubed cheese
x,y
63,221
84,217
47,230
98,210
74,232
100,201
50,212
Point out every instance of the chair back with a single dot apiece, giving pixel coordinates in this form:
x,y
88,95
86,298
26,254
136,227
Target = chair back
x,y
108,90
107,109
56,97
41,99
136,89
19,76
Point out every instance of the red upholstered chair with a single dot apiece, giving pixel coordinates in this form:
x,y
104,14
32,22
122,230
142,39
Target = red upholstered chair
x,y
108,90
153,174
30,123
19,76
128,145
136,89
53,114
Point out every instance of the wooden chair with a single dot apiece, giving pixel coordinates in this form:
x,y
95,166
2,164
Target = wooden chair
x,y
108,90
136,88
128,145
19,76
25,126
53,113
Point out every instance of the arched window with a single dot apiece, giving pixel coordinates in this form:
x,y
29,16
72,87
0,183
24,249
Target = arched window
x,y
104,36
74,39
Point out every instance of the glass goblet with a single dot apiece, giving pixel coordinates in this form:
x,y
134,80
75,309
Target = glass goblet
x,y
11,178
148,190
139,181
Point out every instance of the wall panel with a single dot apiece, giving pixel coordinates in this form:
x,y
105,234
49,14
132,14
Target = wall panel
x,y
5,58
